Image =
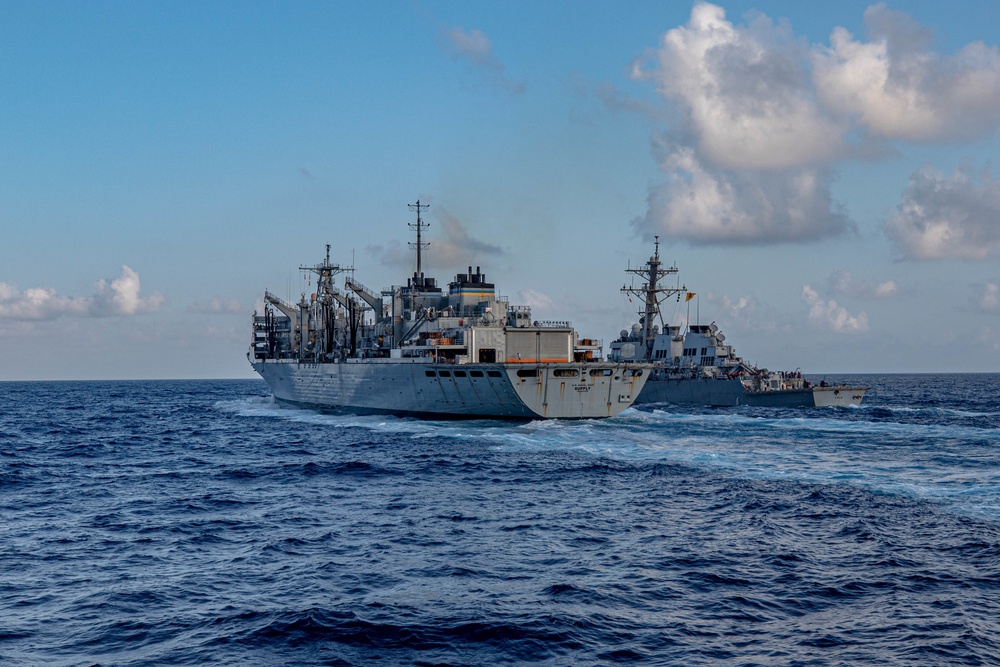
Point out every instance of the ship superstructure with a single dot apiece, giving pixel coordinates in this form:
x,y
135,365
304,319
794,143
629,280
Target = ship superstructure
x,y
421,349
693,364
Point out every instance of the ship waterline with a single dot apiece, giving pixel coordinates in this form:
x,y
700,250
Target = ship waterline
x,y
499,391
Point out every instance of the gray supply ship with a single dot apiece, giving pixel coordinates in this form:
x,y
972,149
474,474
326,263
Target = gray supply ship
x,y
698,367
419,350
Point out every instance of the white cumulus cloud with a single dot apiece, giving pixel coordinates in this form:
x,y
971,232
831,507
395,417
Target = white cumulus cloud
x,y
948,217
761,118
119,296
747,161
895,87
536,300
744,92
705,205
829,314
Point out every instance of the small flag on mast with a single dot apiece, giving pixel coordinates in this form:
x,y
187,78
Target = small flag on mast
x,y
690,295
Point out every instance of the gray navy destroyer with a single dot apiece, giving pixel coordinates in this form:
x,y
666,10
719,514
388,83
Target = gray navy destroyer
x,y
698,367
420,350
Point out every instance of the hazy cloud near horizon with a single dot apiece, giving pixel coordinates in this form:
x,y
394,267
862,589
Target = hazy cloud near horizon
x,y
119,296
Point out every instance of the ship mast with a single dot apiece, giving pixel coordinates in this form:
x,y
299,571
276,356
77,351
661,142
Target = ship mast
x,y
322,320
652,293
325,272
419,225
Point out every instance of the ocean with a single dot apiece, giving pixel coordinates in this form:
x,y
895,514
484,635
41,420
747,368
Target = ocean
x,y
197,523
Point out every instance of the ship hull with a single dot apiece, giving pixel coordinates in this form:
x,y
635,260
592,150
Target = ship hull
x,y
732,392
469,391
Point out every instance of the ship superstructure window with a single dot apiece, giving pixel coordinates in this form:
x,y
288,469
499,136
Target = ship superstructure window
x,y
566,373
476,374
494,374
460,374
600,371
527,373
444,374
429,374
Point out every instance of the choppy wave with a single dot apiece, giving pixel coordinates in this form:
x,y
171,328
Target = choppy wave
x,y
922,452
200,523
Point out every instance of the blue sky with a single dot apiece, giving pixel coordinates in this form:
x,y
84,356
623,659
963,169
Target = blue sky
x,y
823,174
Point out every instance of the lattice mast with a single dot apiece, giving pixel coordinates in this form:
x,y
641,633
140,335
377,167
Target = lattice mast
x,y
419,225
651,293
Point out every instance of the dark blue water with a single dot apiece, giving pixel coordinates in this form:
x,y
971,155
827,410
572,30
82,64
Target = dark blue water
x,y
195,523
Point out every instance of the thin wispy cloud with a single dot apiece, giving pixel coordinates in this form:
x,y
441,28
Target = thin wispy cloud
x,y
119,296
454,247
845,283
615,99
476,49
747,312
218,306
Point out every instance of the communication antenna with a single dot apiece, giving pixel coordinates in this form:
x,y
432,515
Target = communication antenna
x,y
419,225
